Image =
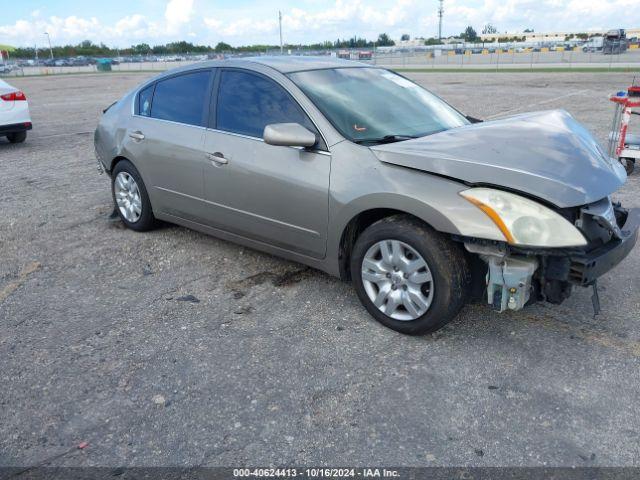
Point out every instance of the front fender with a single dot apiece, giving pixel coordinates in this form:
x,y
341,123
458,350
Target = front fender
x,y
361,185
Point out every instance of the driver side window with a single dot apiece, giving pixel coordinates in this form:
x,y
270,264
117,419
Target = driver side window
x,y
248,102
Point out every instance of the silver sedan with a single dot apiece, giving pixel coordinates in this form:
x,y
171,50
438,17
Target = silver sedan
x,y
363,174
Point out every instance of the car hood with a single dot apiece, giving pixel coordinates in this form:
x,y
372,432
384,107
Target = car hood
x,y
548,155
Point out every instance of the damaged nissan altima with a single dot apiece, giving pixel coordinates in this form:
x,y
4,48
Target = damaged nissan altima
x,y
361,173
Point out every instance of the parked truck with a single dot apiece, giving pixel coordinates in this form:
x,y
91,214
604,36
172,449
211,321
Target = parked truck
x,y
594,44
615,42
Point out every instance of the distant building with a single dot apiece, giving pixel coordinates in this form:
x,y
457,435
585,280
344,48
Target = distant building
x,y
416,42
452,40
550,36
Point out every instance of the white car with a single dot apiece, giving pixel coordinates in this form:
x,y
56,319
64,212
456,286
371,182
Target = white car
x,y
14,113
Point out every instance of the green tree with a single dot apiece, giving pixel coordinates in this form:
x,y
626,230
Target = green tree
x,y
223,47
141,49
469,35
433,41
385,41
405,37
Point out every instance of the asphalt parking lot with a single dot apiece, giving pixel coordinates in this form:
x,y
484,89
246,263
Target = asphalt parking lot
x,y
175,348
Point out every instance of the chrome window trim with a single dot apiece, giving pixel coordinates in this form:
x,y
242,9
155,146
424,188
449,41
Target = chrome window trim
x,y
170,121
215,130
258,139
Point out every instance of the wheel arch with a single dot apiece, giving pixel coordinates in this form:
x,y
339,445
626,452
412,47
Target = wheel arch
x,y
352,231
117,160
361,218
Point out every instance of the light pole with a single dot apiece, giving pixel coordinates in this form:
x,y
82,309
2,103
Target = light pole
x,y
50,49
440,14
280,23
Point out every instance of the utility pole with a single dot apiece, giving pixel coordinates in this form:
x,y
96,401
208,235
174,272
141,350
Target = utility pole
x,y
35,47
280,22
440,13
50,49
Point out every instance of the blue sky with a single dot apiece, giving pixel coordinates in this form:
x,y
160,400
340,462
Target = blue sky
x,y
238,22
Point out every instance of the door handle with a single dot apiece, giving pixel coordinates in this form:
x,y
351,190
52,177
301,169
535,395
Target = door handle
x,y
217,158
136,135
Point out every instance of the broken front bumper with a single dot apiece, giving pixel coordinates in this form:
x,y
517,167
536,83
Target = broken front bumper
x,y
587,267
516,275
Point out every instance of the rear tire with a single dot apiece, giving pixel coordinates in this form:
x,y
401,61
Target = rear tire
x,y
17,137
130,197
450,274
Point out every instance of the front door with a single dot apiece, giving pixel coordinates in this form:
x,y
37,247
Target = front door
x,y
277,195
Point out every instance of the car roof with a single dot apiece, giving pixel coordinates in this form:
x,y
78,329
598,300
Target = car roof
x,y
289,63
284,64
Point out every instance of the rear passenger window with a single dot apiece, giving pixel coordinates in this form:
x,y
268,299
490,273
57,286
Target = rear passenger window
x,y
182,99
247,103
144,101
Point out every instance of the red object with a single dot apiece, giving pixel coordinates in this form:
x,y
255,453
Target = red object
x,y
628,103
83,445
14,96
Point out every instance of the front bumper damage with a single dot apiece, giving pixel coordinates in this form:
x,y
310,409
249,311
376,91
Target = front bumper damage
x,y
586,267
516,276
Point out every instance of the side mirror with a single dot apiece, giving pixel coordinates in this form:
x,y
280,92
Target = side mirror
x,y
288,135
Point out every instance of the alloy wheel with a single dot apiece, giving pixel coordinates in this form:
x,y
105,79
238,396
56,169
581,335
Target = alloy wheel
x,y
127,196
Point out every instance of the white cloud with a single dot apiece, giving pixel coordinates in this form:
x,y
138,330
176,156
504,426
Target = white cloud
x,y
316,20
177,14
213,23
134,27
247,25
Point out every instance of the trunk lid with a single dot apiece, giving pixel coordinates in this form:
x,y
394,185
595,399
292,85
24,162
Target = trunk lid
x,y
6,88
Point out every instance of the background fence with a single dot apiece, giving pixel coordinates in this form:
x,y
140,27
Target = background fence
x,y
436,59
509,58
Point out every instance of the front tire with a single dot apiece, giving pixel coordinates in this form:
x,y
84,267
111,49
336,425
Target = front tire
x,y
409,277
130,197
17,137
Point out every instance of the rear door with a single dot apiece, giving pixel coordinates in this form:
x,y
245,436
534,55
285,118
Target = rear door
x,y
273,194
166,138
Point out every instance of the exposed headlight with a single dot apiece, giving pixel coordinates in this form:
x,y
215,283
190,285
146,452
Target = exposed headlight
x,y
523,221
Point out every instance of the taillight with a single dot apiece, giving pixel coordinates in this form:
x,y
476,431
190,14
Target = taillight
x,y
14,96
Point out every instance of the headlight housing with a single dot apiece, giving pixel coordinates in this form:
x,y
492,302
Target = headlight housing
x,y
523,221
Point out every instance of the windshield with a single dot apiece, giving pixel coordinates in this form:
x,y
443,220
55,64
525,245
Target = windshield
x,y
376,105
